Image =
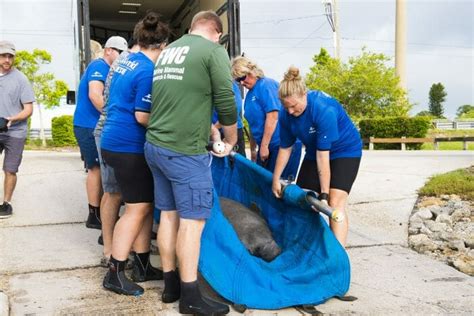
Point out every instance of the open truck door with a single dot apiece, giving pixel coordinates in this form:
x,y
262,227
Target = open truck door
x,y
98,20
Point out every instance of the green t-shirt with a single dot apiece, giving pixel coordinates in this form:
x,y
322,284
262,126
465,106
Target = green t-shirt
x,y
192,75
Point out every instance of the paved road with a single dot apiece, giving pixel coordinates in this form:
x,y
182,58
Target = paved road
x,y
49,260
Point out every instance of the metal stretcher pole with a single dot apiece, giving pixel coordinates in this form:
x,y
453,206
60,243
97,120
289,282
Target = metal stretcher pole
x,y
319,206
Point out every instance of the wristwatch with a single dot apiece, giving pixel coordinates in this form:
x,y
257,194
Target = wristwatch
x,y
323,196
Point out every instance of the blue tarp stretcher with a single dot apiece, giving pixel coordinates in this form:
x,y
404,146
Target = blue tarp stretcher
x,y
312,266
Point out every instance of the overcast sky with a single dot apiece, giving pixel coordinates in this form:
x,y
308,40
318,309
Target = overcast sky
x,y
440,36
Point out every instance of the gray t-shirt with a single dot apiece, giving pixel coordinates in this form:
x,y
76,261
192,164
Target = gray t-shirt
x,y
15,90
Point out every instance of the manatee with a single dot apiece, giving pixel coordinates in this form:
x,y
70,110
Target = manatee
x,y
251,229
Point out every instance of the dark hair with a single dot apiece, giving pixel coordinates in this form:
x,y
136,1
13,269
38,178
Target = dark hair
x,y
131,42
151,30
204,17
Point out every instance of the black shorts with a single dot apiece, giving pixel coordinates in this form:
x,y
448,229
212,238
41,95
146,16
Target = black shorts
x,y
343,174
133,175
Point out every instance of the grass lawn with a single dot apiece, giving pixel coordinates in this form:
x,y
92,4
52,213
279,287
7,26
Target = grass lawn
x,y
459,182
450,132
448,146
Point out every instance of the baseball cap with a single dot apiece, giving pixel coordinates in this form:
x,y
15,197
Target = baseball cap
x,y
117,42
7,47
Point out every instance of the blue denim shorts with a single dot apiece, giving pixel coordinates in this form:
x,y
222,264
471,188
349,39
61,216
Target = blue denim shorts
x,y
182,182
86,141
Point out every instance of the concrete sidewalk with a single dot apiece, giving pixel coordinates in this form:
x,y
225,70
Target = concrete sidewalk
x,y
49,260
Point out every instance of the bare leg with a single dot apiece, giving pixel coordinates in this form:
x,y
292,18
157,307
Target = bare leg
x,y
142,242
188,246
94,186
338,200
166,239
9,184
127,229
109,209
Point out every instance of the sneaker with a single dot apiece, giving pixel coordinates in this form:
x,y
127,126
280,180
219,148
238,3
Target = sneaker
x,y
6,210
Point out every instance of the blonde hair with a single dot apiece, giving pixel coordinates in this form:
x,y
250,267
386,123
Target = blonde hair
x,y
292,84
96,50
242,66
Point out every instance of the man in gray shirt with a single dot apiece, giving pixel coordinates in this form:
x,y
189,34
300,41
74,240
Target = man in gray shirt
x,y
16,105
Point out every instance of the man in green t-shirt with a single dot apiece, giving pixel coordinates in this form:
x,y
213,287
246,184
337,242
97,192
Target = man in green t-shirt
x,y
191,78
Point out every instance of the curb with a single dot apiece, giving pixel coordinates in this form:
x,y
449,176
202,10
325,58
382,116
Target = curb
x,y
4,307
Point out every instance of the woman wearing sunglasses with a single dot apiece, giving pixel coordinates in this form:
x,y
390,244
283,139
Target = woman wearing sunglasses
x,y
261,110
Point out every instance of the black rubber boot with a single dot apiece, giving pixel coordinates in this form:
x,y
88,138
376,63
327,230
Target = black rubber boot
x,y
116,281
93,221
143,270
192,302
172,289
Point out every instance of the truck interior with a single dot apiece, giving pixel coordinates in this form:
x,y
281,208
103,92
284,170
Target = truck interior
x,y
98,20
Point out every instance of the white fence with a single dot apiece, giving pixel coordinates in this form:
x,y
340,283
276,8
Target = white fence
x,y
35,133
453,124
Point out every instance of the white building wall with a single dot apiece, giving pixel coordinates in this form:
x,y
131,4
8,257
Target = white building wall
x,y
47,25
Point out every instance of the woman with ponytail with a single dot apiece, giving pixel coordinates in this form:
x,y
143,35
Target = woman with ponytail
x,y
122,147
333,145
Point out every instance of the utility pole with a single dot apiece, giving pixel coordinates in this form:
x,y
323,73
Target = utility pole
x,y
337,42
332,15
401,42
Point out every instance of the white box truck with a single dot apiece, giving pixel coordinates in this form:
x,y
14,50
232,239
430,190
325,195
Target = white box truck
x,y
64,28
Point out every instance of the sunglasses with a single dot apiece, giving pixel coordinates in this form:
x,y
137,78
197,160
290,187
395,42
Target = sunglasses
x,y
241,78
117,50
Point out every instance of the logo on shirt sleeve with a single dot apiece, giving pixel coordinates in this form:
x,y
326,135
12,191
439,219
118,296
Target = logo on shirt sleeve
x,y
312,130
97,74
147,98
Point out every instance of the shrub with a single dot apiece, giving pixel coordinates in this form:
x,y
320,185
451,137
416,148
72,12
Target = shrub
x,y
395,127
63,131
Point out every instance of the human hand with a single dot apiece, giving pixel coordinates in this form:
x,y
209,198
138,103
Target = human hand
x,y
264,153
276,188
221,150
253,155
324,197
9,121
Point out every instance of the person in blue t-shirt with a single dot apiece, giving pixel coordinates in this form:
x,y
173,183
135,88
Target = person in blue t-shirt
x,y
261,110
333,145
240,124
90,100
122,147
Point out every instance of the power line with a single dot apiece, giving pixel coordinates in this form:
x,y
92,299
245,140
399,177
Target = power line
x,y
276,21
304,39
350,48
389,41
354,39
287,38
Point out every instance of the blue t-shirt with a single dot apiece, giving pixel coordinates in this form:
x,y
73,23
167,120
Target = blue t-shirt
x,y
324,125
260,100
238,104
86,115
130,92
